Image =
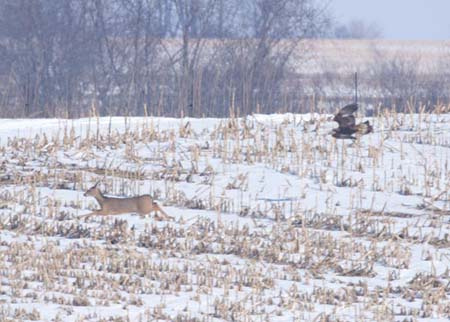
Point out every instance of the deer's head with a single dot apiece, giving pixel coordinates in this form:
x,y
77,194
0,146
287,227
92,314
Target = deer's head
x,y
93,191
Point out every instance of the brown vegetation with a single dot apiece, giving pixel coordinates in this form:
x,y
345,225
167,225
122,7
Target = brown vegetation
x,y
328,241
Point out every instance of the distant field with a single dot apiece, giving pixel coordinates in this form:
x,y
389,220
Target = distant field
x,y
274,220
346,56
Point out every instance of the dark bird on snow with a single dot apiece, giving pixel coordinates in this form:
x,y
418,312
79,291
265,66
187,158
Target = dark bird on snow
x,y
347,125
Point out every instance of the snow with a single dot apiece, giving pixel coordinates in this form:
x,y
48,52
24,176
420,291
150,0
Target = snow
x,y
274,219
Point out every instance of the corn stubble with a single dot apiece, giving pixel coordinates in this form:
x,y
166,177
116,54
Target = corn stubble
x,y
240,256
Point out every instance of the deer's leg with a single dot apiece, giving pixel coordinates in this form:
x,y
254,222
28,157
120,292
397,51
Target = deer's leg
x,y
88,215
94,213
158,209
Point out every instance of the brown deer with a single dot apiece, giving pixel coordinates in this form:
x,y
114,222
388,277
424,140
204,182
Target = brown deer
x,y
141,205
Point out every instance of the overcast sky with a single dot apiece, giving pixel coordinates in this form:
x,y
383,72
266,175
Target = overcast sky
x,y
399,19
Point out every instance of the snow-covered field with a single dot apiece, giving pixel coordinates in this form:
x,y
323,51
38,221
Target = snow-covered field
x,y
344,57
274,220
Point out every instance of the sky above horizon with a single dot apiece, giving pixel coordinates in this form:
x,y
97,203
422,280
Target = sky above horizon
x,y
399,19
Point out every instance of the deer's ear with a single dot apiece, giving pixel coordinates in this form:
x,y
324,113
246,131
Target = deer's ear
x,y
96,184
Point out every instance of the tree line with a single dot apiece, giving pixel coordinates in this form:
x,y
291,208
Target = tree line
x,y
73,58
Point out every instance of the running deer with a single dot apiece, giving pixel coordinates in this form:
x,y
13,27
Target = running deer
x,y
141,205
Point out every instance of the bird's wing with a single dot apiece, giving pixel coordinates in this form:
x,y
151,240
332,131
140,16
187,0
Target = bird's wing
x,y
347,121
348,110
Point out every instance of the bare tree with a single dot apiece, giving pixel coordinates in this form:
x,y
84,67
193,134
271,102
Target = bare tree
x,y
358,29
252,67
62,57
397,79
193,22
46,48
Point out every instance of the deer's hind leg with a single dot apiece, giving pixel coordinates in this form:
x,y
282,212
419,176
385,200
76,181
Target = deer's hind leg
x,y
157,209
